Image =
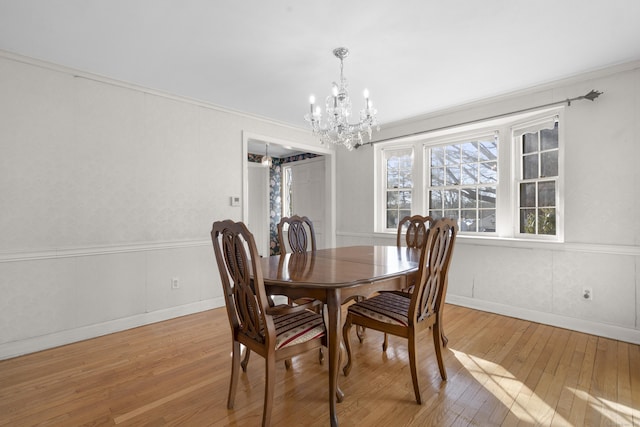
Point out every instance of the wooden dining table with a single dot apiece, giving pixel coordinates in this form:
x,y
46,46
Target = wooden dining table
x,y
335,276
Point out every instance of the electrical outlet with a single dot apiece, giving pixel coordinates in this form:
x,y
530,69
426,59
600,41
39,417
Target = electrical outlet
x,y
175,284
587,294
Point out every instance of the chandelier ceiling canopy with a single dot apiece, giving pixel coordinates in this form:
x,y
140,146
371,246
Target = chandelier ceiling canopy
x,y
337,129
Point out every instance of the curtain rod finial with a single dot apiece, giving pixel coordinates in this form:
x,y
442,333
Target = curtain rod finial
x,y
593,95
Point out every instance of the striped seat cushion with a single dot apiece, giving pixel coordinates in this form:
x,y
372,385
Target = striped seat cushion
x,y
388,307
298,328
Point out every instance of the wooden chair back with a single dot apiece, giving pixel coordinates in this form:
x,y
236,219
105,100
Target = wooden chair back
x,y
413,231
301,237
242,281
431,282
417,228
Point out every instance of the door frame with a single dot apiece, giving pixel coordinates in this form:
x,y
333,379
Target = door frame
x,y
265,171
330,178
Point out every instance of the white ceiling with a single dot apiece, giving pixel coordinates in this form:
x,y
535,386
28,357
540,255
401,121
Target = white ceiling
x,y
267,57
275,150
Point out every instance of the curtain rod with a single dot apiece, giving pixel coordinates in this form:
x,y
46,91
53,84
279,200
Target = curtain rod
x,y
590,96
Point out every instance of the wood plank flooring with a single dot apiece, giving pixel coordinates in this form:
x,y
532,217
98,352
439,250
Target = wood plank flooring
x,y
502,372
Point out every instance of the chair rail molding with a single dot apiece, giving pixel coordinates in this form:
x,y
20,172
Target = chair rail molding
x,y
52,253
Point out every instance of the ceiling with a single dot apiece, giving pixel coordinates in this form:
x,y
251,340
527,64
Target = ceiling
x,y
275,150
267,57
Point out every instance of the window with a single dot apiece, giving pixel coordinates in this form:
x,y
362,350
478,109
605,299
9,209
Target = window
x,y
398,165
501,178
538,183
463,179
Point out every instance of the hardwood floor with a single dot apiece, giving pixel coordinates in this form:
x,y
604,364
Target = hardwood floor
x,y
502,372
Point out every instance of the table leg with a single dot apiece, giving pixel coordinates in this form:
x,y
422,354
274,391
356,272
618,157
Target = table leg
x,y
335,333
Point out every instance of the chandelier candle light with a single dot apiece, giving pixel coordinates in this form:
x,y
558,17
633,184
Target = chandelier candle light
x,y
337,128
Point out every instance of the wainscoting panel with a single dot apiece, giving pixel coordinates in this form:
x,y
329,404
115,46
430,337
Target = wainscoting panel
x,y
543,282
66,297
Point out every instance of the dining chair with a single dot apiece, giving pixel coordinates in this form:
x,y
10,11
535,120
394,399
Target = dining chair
x,y
275,332
300,238
412,233
406,317
413,230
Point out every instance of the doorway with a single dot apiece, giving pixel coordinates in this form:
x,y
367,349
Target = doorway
x,y
302,182
320,184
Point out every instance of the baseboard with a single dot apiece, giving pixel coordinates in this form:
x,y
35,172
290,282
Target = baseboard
x,y
30,345
580,325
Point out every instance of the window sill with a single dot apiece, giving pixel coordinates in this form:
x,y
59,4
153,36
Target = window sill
x,y
493,241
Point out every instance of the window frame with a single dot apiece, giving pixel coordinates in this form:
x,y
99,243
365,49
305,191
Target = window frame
x,y
518,178
507,191
481,134
383,189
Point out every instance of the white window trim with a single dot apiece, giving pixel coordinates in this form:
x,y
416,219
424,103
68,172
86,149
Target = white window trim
x,y
380,198
507,220
517,130
476,134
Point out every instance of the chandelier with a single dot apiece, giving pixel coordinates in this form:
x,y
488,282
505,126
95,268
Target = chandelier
x,y
337,129
266,159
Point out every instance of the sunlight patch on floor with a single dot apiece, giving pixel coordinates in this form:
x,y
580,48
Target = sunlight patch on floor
x,y
619,414
527,406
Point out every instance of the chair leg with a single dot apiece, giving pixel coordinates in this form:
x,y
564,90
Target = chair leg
x,y
245,360
287,364
269,388
413,363
444,338
235,372
437,336
346,329
321,311
360,330
385,343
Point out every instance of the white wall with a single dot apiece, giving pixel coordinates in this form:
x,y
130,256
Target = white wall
x,y
107,192
543,282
